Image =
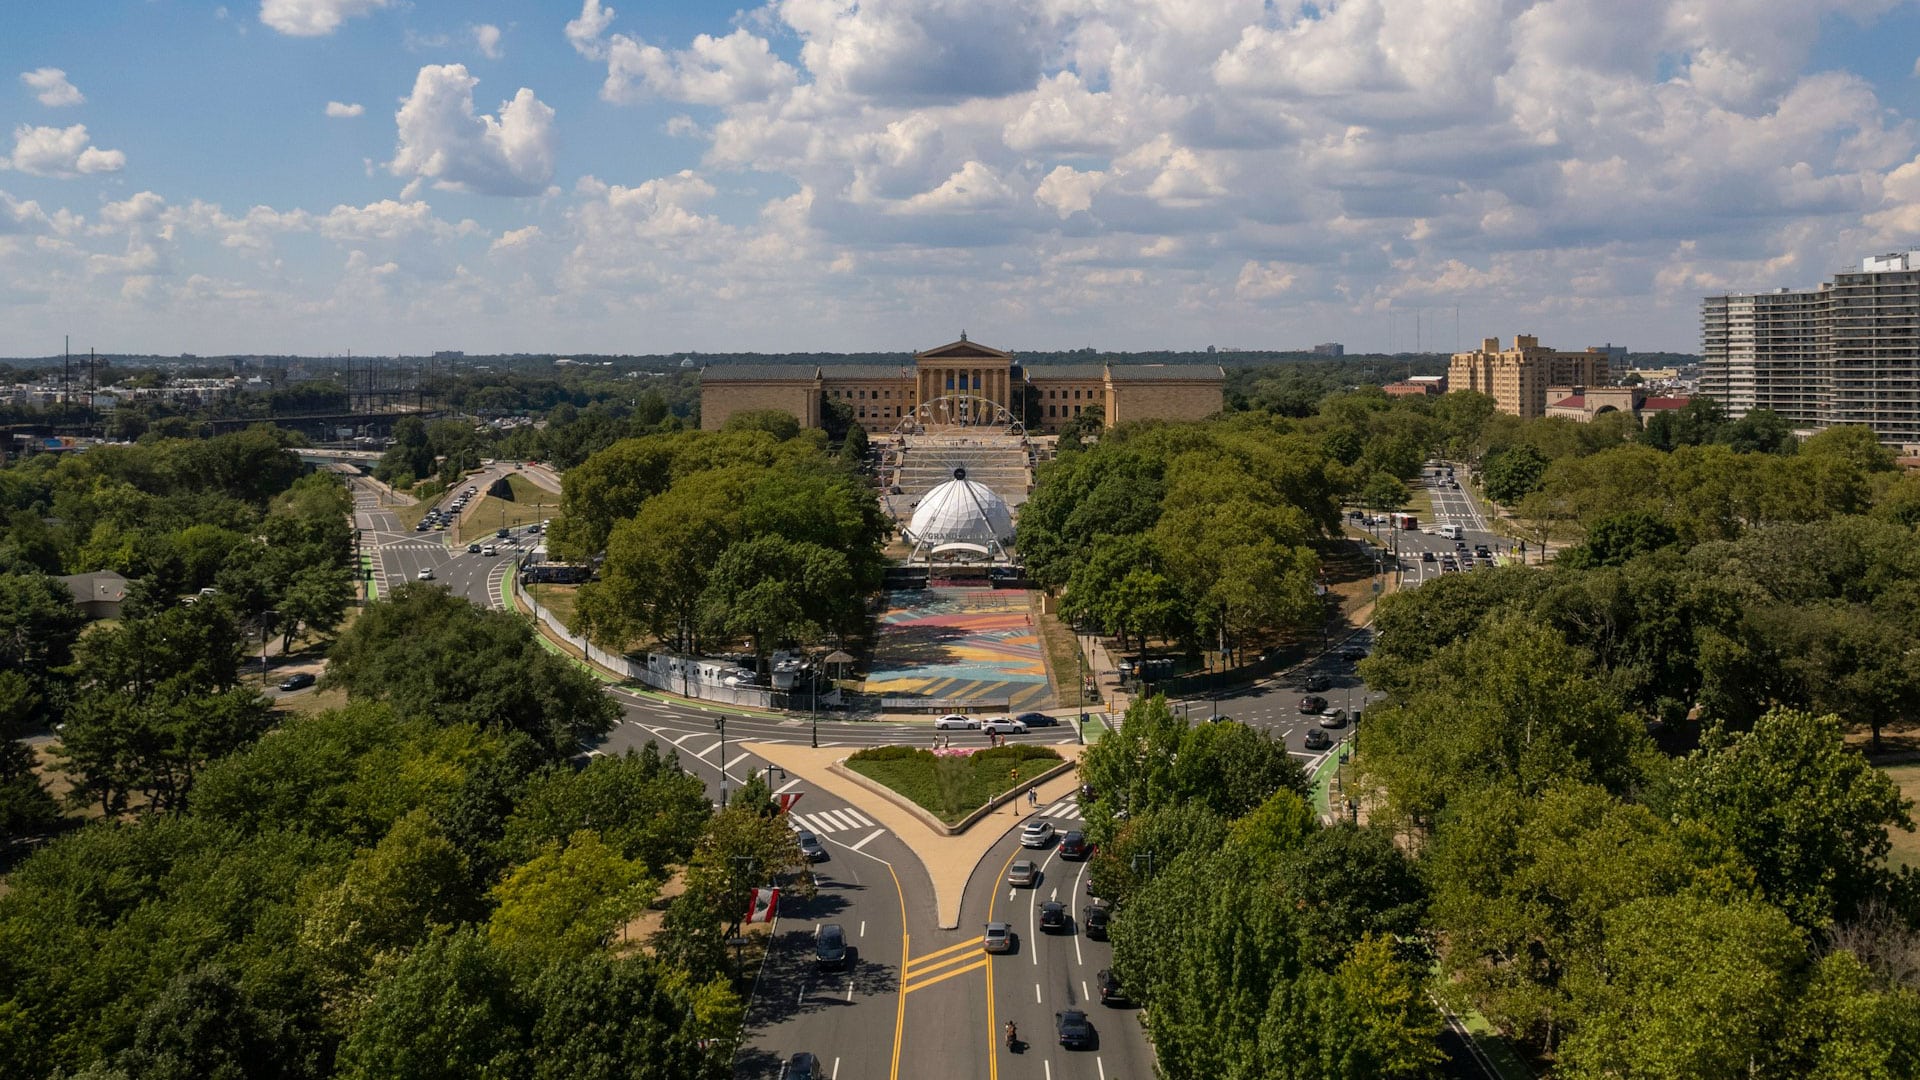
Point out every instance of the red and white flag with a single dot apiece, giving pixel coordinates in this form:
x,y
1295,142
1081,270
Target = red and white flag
x,y
764,903
787,800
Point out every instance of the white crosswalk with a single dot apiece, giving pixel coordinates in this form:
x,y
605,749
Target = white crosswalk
x,y
827,821
1067,810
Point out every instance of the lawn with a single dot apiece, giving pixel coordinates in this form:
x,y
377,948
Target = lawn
x,y
558,599
1063,659
530,503
1906,845
952,785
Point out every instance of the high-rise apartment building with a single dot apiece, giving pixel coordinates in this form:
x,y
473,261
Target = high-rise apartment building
x,y
1518,378
1847,352
1767,351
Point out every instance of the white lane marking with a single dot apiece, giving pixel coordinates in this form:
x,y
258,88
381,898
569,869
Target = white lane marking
x,y
703,753
1033,904
863,922
682,740
801,821
737,760
868,840
786,787
858,816
1049,1066
836,1070
1036,993
1083,991
849,989
1096,1063
841,822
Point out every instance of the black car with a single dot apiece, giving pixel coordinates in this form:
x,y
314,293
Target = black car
x,y
501,533
473,549
1053,917
1074,845
1353,653
1094,919
1312,704
811,847
1074,1030
1426,556
801,1066
1315,682
1109,983
830,946
297,681
1036,719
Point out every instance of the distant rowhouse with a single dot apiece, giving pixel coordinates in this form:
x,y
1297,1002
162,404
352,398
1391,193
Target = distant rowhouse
x,y
963,383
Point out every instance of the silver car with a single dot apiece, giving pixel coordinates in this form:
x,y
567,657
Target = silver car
x,y
1037,834
955,720
1002,725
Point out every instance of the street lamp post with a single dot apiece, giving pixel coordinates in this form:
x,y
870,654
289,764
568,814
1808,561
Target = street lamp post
x,y
720,725
771,769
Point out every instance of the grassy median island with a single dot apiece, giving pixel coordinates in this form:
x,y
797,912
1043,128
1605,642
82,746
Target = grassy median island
x,y
954,783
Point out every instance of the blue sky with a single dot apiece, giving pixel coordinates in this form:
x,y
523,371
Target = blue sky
x,y
815,174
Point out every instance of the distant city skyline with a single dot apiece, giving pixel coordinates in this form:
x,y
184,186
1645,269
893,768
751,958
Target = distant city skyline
x,y
316,176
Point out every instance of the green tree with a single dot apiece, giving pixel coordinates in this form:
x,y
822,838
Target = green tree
x,y
1809,815
1688,988
1511,705
432,654
1513,474
204,1027
567,900
449,1011
640,804
388,899
1383,491
631,1019
773,591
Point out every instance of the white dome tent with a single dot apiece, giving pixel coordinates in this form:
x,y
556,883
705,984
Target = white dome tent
x,y
961,521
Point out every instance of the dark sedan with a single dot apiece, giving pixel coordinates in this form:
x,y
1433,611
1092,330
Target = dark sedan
x,y
1074,845
1095,919
1036,719
1053,917
299,680
1313,704
1074,1030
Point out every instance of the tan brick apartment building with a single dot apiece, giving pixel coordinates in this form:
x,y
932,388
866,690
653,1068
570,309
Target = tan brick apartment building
x,y
963,382
1518,378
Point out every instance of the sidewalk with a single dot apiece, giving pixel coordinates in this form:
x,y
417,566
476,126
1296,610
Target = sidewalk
x,y
950,861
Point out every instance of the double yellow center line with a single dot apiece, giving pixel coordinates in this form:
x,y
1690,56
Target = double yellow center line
x,y
920,972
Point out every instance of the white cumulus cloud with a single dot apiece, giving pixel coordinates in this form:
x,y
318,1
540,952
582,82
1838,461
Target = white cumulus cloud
x,y
61,152
585,32
51,88
516,238
445,142
714,71
341,110
313,18
486,37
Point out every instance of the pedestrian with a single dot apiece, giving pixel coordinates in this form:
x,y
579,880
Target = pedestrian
x,y
1033,797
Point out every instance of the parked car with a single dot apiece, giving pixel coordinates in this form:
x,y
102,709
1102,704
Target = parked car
x,y
1073,1029
830,947
1109,984
1318,739
1023,874
1037,834
999,937
299,680
1074,845
1094,919
1312,704
811,847
801,1066
1053,917
1036,719
955,720
1004,725
1333,718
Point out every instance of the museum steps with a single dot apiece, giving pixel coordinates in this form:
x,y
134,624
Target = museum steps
x,y
923,462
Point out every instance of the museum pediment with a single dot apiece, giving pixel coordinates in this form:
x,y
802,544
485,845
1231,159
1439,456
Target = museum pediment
x,y
963,350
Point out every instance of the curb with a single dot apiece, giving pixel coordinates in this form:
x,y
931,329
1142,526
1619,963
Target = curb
x,y
925,816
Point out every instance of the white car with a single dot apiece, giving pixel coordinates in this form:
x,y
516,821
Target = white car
x,y
426,573
1037,834
1001,725
954,720
489,550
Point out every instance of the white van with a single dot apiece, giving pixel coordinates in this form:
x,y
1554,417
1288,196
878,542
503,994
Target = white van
x,y
1450,532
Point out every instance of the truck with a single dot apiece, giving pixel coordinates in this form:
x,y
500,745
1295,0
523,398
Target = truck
x,y
1404,521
